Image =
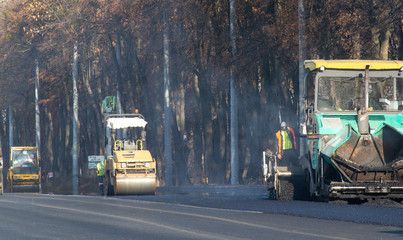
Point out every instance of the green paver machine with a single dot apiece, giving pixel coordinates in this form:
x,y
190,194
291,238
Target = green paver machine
x,y
354,129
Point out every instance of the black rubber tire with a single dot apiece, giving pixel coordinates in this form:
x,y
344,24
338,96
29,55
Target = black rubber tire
x,y
301,187
111,191
108,188
115,184
105,184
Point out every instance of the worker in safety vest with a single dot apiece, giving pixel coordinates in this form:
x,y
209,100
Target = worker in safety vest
x,y
286,145
100,174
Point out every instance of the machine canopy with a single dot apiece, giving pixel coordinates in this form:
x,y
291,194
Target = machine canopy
x,y
118,123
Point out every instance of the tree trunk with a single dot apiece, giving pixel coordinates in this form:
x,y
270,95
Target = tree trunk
x,y
178,138
384,50
99,133
194,134
220,140
49,133
356,46
376,43
401,40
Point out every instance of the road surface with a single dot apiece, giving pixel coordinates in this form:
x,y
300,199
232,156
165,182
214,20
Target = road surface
x,y
190,216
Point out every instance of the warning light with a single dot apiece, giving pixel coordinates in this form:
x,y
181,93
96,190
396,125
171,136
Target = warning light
x,y
136,111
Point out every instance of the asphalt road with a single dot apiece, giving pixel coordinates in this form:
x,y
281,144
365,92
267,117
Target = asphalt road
x,y
190,216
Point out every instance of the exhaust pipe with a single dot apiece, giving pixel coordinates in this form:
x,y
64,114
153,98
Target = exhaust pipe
x,y
362,114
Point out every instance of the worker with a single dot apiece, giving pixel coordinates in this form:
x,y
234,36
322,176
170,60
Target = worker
x,y
100,173
286,145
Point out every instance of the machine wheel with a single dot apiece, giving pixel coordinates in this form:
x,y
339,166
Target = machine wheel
x,y
115,184
106,184
301,186
285,190
108,188
312,180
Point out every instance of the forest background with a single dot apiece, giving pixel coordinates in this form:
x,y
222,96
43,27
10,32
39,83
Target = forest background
x,y
120,47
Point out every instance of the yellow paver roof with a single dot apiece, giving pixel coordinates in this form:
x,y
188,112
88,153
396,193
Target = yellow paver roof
x,y
353,64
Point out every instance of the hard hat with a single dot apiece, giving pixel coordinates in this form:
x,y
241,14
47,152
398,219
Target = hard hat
x,y
283,125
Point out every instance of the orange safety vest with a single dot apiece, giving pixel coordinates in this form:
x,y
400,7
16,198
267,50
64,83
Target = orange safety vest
x,y
280,140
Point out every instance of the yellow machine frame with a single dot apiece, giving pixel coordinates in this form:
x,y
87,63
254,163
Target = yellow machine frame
x,y
130,168
353,64
24,182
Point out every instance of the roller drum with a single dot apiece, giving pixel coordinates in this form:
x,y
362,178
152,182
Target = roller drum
x,y
134,185
26,188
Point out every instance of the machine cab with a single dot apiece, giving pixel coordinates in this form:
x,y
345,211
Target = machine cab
x,y
125,132
24,161
339,87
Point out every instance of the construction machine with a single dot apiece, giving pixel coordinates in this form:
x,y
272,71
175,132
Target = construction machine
x,y
284,182
24,173
129,167
353,130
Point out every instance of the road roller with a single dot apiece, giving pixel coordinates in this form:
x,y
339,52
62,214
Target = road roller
x,y
354,129
24,173
129,167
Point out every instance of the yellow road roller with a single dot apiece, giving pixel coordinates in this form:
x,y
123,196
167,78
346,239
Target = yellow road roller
x,y
129,167
24,174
